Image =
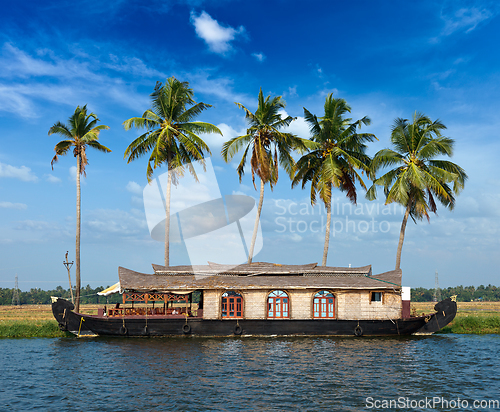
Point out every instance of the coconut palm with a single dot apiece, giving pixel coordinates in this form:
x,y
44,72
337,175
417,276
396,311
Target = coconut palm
x,y
268,145
171,136
81,132
417,179
337,152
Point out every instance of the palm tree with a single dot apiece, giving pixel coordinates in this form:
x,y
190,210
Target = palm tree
x,y
171,136
417,179
337,151
268,146
81,131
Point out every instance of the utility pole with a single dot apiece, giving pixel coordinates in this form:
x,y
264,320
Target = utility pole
x,y
15,295
437,291
68,267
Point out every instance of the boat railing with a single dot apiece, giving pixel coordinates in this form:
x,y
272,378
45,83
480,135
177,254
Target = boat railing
x,y
143,311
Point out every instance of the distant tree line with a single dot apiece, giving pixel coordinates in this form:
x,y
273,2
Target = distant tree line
x,y
88,295
36,296
488,293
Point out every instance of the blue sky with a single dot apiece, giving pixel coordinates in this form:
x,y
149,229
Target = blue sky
x,y
387,59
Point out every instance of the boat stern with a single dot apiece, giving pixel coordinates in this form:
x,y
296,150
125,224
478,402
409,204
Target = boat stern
x,y
61,309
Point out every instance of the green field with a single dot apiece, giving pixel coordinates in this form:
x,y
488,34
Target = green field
x,y
472,317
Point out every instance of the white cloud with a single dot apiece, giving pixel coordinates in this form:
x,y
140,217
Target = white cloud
x,y
22,65
221,87
10,205
217,37
134,66
52,179
22,173
245,188
318,71
298,127
102,223
18,98
259,56
22,74
134,188
215,141
72,176
34,225
464,19
291,92
72,173
326,91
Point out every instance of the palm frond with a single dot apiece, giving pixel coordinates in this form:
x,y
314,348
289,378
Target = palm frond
x,y
172,136
385,158
193,112
434,147
419,179
62,129
81,130
234,145
312,121
201,127
98,146
141,123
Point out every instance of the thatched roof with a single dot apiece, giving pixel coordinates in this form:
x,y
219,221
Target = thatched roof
x,y
256,276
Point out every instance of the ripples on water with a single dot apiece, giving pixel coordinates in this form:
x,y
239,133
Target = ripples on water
x,y
265,374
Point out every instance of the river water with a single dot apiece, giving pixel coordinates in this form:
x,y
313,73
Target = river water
x,y
264,374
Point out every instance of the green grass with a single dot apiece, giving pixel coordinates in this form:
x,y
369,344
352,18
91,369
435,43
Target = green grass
x,y
478,325
31,329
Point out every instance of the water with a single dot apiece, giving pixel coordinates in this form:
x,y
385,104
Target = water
x,y
265,374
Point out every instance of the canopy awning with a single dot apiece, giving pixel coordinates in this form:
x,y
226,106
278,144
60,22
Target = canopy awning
x,y
109,291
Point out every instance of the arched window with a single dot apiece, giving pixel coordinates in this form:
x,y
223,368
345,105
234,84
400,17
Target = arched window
x,y
232,305
324,305
277,305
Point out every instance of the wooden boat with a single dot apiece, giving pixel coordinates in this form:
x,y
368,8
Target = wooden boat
x,y
260,299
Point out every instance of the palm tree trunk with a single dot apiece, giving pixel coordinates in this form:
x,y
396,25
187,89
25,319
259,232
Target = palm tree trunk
x,y
257,219
327,230
78,228
402,234
167,218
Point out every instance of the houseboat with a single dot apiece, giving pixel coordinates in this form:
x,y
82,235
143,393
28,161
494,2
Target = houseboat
x,y
256,299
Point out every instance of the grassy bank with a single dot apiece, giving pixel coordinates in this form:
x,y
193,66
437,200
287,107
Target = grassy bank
x,y
472,317
38,321
478,325
31,329
33,321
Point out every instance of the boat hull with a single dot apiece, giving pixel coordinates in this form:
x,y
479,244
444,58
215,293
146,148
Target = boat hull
x,y
81,325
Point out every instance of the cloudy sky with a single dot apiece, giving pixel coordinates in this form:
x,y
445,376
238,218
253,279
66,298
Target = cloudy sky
x,y
387,59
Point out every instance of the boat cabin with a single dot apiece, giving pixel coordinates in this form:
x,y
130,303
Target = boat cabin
x,y
260,291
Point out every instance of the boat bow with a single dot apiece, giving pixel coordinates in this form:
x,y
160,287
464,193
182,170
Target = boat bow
x,y
446,311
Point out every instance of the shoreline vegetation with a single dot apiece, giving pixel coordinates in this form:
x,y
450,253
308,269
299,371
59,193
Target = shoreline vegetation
x,y
36,321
